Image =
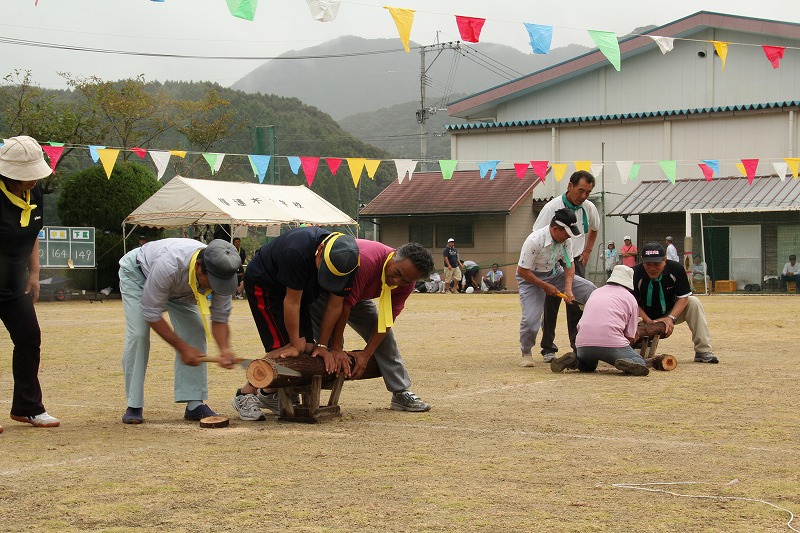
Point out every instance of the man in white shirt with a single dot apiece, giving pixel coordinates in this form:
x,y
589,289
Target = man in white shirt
x,y
580,186
791,272
539,274
672,252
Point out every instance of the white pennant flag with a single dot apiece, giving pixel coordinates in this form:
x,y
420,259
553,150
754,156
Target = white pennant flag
x,y
665,43
596,169
324,10
624,170
403,166
218,163
161,159
781,169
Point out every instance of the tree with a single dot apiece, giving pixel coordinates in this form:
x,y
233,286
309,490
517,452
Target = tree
x,y
88,198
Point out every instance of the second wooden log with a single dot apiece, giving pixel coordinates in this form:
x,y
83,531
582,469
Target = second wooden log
x,y
262,373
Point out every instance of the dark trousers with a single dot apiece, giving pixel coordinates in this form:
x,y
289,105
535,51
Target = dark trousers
x,y
550,317
789,277
20,320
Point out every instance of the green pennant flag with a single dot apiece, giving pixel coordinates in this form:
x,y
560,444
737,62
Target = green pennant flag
x,y
211,159
244,9
607,42
635,168
670,168
447,166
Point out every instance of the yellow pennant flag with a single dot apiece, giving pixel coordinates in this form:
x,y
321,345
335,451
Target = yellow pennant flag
x,y
559,169
794,164
741,169
372,167
356,165
108,156
583,165
722,51
178,153
403,19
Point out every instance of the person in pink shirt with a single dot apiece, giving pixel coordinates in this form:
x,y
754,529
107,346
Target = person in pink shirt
x,y
388,275
628,252
607,329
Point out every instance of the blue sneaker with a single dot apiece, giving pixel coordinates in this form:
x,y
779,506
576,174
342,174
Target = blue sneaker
x,y
199,412
133,415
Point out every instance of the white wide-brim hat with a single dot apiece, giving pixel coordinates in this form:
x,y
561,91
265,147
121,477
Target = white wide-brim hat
x,y
622,275
22,159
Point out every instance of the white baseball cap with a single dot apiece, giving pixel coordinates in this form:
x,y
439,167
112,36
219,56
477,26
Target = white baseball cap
x,y
626,238
451,240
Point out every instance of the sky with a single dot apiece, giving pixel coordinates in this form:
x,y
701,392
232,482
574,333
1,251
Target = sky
x,y
206,28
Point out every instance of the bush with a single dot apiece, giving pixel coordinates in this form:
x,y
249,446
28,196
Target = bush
x,y
88,198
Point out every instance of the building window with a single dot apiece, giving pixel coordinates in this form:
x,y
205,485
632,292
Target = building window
x,y
460,231
421,233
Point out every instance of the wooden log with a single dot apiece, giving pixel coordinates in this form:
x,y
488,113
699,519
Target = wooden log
x,y
214,422
649,331
663,362
262,373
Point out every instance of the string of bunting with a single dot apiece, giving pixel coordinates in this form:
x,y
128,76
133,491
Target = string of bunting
x,y
628,170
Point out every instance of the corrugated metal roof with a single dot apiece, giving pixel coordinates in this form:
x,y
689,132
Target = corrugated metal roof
x,y
721,195
428,194
622,116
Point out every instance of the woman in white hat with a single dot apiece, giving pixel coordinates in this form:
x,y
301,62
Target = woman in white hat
x,y
22,165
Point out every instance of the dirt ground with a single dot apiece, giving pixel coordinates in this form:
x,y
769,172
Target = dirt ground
x,y
504,448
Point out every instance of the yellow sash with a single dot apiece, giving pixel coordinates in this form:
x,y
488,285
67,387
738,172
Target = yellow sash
x,y
24,204
385,318
202,298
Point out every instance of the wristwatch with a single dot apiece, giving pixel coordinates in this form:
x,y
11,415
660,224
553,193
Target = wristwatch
x,y
674,318
322,346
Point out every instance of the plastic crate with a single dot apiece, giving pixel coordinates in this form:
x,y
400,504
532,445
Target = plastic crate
x,y
725,285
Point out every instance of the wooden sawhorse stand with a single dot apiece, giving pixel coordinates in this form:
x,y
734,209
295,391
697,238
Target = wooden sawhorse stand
x,y
309,410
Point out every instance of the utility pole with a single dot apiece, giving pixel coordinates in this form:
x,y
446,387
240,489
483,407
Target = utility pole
x,y
423,113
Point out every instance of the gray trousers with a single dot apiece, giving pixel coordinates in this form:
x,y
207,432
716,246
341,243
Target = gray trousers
x,y
363,317
532,299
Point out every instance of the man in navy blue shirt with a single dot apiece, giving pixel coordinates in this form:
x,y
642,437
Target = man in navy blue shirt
x,y
452,272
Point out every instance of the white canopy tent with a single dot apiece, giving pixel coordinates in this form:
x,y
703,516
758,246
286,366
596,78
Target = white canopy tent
x,y
185,201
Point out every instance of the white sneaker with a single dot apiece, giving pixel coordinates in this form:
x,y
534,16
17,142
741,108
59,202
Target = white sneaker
x,y
40,421
527,361
548,357
248,407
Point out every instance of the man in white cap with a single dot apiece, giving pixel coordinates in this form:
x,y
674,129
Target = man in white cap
x,y
452,270
22,165
672,252
176,276
607,329
539,274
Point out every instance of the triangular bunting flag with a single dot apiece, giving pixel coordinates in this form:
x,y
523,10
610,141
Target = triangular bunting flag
x,y
356,165
160,159
54,143
447,166
750,167
670,168
404,166
54,153
324,10
596,169
211,159
93,152
108,156
583,165
722,51
741,169
607,42
141,152
521,169
333,164
540,168
218,164
559,169
665,44
294,163
372,167
540,36
794,165
310,165
774,54
470,28
178,153
708,172
486,166
259,164
781,169
624,170
634,171
244,9
713,164
403,19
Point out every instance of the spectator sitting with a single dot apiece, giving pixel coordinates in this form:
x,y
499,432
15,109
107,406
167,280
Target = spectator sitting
x,y
493,280
699,270
791,272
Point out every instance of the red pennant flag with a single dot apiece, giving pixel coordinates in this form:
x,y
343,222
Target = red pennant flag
x,y
521,169
141,152
750,166
708,172
54,153
470,28
774,54
540,168
309,168
333,164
